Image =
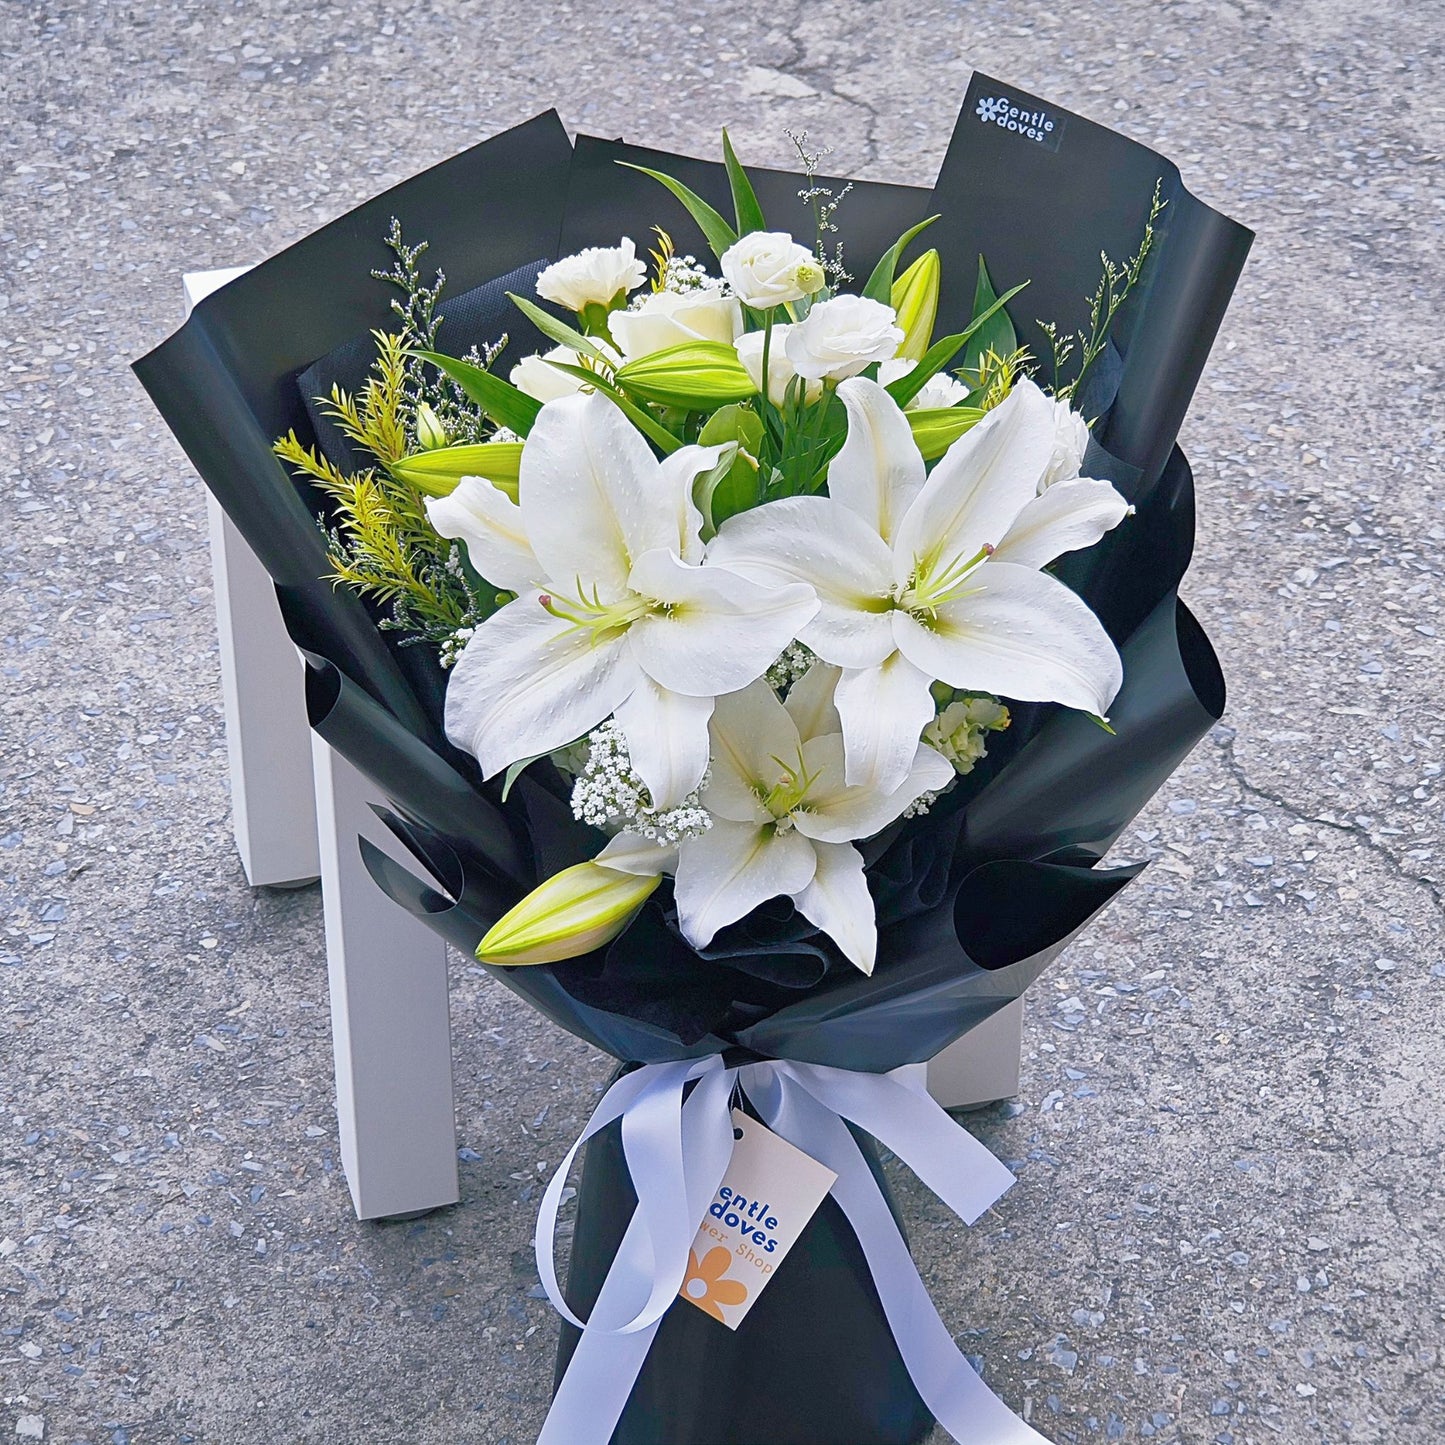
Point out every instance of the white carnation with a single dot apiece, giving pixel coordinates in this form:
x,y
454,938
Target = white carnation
x,y
939,390
671,318
594,277
842,336
780,369
768,268
1071,440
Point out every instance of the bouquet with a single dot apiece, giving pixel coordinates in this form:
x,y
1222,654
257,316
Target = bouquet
x,y
760,658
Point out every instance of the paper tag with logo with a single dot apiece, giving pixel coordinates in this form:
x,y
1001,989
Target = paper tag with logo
x,y
770,1191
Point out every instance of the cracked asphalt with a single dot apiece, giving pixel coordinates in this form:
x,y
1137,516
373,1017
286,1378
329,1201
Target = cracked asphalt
x,y
1227,1226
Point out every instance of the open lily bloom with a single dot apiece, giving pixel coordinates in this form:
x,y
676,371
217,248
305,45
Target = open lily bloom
x,y
783,819
936,576
615,613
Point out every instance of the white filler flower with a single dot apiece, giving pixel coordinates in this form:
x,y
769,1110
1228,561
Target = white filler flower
x,y
937,577
673,318
594,277
615,615
768,268
783,819
840,337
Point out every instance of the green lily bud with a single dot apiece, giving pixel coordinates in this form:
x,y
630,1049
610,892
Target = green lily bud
x,y
437,472
915,299
572,913
696,376
430,433
935,429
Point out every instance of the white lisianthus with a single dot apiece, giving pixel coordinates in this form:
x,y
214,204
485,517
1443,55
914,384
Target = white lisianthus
x,y
780,369
769,268
1071,441
937,392
842,336
672,318
598,276
545,383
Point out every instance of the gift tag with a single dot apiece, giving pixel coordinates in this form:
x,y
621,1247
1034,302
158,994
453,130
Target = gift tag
x,y
770,1191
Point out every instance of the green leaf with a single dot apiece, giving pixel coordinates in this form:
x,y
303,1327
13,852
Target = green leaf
x,y
643,420
516,770
718,233
501,401
554,329
942,352
995,332
745,200
728,490
880,283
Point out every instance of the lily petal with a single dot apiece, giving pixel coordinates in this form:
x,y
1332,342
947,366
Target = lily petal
x,y
884,709
879,470
482,515
980,485
732,868
718,631
839,902
810,702
822,543
750,731
632,853
589,494
837,813
529,682
1067,516
674,478
1019,633
667,739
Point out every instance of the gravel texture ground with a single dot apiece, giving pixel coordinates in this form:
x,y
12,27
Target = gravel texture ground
x,y
1227,1226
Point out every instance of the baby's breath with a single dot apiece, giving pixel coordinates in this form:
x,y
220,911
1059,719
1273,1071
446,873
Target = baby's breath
x,y
610,795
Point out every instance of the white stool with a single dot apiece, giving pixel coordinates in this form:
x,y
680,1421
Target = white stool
x,y
297,808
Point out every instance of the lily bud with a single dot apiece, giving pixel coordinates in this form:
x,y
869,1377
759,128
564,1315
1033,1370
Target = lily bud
x,y
430,433
935,429
696,376
572,913
437,472
915,299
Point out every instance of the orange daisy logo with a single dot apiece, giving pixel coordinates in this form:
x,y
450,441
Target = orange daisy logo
x,y
705,1286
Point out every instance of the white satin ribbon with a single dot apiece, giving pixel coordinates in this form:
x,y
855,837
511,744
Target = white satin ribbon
x,y
677,1153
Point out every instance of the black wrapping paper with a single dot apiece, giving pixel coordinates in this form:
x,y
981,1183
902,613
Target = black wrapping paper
x,y
974,900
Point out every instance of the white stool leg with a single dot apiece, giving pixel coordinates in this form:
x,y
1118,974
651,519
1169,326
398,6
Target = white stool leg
x,y
295,820
389,1023
268,744
983,1066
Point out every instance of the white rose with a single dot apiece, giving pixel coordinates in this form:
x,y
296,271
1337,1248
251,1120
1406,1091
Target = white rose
x,y
938,391
767,268
594,277
670,318
780,369
842,336
1071,440
545,383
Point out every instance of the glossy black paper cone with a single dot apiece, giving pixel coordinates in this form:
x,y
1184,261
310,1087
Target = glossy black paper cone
x,y
812,1363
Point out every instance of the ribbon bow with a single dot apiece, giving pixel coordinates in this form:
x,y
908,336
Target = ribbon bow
x,y
677,1151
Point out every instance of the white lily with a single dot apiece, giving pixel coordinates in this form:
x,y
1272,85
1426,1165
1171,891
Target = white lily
x,y
620,617
783,819
937,577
